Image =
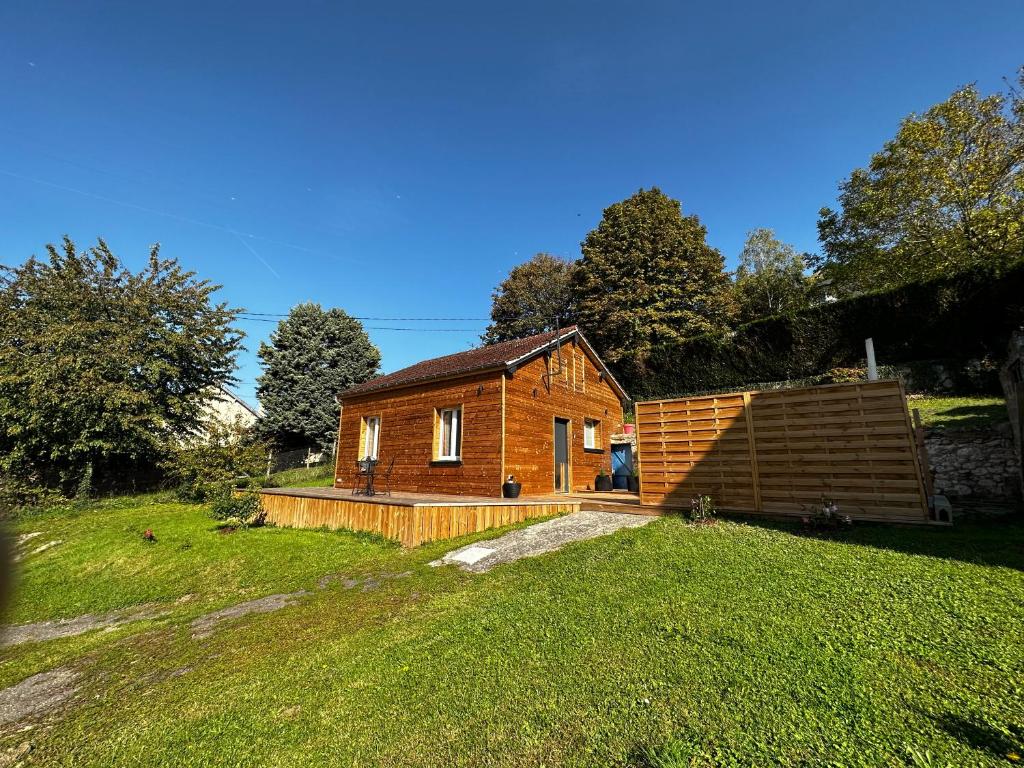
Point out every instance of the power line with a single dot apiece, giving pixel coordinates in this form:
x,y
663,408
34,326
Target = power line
x,y
395,319
379,327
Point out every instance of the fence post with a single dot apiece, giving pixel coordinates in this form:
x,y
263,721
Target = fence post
x,y
926,468
754,475
869,345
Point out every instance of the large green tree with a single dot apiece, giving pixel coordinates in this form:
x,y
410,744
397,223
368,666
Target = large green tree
x,y
101,368
770,278
313,355
535,297
648,277
946,194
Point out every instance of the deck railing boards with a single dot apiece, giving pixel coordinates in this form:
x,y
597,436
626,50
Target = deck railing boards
x,y
409,524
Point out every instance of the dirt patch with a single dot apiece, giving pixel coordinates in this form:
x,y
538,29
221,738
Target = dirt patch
x,y
326,581
368,583
16,754
37,694
16,634
204,625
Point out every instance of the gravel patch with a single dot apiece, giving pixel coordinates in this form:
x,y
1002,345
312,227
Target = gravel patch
x,y
537,539
37,694
204,625
16,634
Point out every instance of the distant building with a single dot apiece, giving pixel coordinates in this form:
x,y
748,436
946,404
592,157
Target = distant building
x,y
226,408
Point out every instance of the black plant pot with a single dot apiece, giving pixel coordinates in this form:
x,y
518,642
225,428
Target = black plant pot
x,y
633,484
603,483
511,490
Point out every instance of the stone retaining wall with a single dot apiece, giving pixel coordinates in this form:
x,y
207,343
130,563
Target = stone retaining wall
x,y
976,463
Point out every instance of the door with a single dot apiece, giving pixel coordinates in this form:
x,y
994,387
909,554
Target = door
x,y
622,464
561,455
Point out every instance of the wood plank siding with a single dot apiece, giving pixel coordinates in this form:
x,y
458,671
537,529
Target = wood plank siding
x,y
408,432
533,402
507,427
781,452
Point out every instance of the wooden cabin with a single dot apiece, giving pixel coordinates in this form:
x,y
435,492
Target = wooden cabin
x,y
541,408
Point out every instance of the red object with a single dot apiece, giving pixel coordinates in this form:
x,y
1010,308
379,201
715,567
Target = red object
x,y
148,535
628,429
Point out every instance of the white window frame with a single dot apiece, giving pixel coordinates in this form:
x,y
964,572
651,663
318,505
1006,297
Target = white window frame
x,y
371,439
454,452
591,434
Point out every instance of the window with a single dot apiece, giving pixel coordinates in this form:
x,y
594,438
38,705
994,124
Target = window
x,y
591,434
371,436
449,445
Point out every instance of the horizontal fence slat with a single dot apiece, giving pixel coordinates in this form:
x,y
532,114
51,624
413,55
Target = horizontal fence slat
x,y
849,443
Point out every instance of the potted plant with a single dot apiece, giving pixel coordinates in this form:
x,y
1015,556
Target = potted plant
x,y
633,480
603,481
510,489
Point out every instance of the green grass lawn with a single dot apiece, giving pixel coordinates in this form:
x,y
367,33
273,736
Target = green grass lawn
x,y
671,645
315,477
959,412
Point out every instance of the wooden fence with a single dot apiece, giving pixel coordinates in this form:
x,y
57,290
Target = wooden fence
x,y
783,452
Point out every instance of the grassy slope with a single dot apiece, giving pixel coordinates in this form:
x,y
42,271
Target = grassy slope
x,y
314,477
959,412
739,643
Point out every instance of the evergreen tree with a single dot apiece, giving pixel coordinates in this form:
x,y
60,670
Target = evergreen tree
x,y
312,356
102,369
770,278
648,277
532,299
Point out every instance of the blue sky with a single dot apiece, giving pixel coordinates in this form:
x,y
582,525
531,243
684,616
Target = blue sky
x,y
397,161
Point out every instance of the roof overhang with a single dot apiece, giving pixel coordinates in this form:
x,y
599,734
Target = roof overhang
x,y
508,366
420,382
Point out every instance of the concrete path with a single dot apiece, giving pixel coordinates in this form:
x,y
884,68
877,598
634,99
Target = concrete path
x,y
540,538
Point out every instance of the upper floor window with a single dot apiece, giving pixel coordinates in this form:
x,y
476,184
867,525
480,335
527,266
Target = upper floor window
x,y
591,433
371,436
449,424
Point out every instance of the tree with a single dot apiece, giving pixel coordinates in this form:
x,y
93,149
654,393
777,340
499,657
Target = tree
x,y
648,277
946,194
313,355
770,279
101,369
535,295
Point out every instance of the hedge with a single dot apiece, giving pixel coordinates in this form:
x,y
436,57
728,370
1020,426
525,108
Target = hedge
x,y
952,321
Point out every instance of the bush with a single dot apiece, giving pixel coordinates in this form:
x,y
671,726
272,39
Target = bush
x,y
969,316
208,469
702,509
240,511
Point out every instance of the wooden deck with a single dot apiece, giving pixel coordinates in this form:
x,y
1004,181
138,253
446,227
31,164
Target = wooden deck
x,y
409,518
616,501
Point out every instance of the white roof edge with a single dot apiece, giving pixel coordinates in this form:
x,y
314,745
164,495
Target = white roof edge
x,y
224,388
542,347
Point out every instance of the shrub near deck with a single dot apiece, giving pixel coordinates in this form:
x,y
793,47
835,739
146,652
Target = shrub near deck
x,y
733,644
